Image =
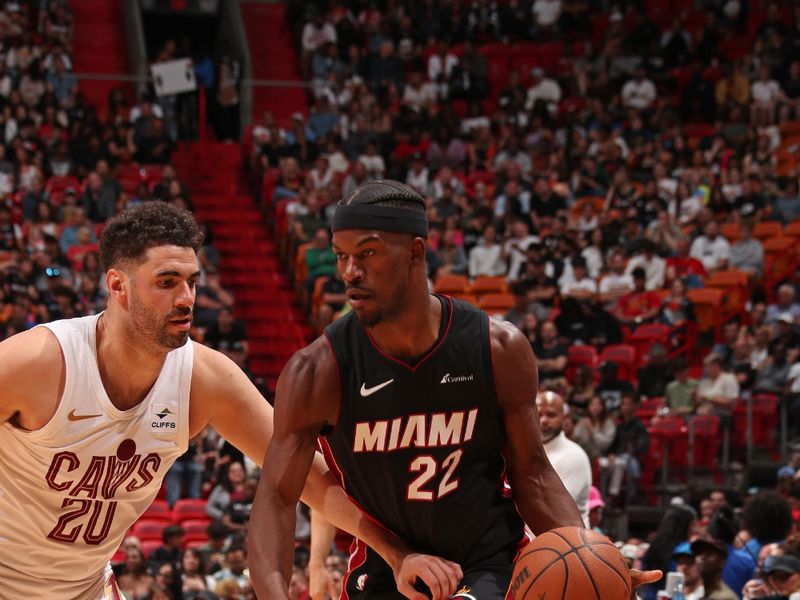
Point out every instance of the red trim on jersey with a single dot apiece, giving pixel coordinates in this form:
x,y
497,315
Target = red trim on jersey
x,y
339,373
112,583
430,353
357,558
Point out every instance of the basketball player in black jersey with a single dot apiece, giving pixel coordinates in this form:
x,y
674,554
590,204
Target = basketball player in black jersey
x,y
422,406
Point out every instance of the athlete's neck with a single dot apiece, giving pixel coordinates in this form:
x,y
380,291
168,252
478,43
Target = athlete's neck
x,y
127,370
413,332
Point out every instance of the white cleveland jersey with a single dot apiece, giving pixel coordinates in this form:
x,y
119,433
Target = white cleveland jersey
x,y
70,490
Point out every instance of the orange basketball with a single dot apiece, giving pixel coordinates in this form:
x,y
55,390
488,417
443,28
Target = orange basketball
x,y
570,563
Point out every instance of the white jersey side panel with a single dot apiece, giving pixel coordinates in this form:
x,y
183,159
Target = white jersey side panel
x,y
70,490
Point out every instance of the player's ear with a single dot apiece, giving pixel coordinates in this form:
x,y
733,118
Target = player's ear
x,y
116,281
418,250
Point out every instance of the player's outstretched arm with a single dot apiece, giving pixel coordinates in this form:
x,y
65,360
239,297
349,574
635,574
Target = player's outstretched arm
x,y
541,497
286,465
322,535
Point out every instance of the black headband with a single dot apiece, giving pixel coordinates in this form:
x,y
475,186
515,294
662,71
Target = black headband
x,y
382,218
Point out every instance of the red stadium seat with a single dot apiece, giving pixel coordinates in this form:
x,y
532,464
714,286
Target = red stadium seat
x,y
148,546
158,510
579,355
707,439
624,356
648,409
195,526
189,508
149,529
645,336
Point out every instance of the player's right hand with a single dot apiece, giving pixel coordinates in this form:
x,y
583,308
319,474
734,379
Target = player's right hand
x,y
440,575
319,583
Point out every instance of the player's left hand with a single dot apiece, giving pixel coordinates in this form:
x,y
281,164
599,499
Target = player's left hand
x,y
642,578
440,575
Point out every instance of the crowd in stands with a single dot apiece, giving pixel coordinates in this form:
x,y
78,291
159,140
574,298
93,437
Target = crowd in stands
x,y
66,167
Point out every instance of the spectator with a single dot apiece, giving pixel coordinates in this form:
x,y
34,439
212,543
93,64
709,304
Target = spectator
x,y
185,476
226,331
316,33
680,392
193,574
676,309
782,573
612,389
237,513
711,249
170,552
765,91
545,15
747,254
231,483
551,354
674,529
544,91
639,93
568,458
595,431
717,391
640,305
134,581
578,284
766,518
654,266
617,283
211,299
686,564
235,566
213,551
785,305
656,374
710,556
333,300
733,88
516,246
486,259
789,94
450,256
685,266
627,449
320,259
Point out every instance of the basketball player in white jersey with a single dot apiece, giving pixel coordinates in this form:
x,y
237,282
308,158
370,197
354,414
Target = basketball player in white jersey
x,y
94,410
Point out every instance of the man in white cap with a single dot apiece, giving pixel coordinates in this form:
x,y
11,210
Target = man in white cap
x,y
568,458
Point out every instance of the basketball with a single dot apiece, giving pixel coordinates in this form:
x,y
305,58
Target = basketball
x,y
571,563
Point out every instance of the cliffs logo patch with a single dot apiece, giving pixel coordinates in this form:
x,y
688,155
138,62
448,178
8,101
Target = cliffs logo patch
x,y
163,419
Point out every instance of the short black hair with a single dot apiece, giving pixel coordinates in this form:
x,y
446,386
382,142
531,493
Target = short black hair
x,y
217,530
768,517
385,192
129,235
171,531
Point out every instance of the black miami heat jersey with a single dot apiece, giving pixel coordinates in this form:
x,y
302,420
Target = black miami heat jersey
x,y
419,446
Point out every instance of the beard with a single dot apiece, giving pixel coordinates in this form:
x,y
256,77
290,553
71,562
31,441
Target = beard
x,y
149,325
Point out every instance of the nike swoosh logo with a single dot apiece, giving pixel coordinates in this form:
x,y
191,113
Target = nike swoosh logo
x,y
365,391
73,417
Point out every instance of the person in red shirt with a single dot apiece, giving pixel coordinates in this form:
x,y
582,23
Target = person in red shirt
x,y
639,305
685,267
